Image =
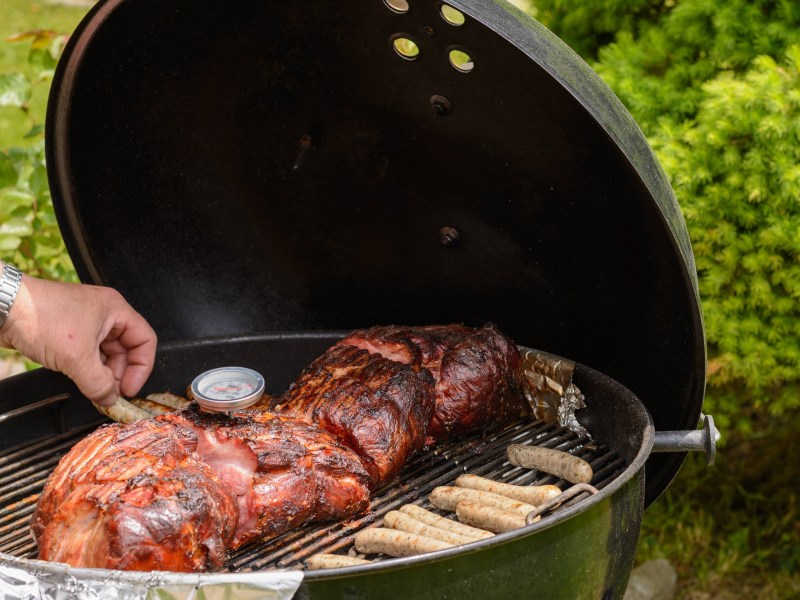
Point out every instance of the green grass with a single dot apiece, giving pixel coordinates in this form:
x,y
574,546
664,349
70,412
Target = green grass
x,y
18,16
733,530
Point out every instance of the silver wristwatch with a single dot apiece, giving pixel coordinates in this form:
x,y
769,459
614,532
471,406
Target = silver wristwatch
x,y
9,286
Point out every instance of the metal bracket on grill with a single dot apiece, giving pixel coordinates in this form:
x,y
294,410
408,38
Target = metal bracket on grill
x,y
700,440
568,494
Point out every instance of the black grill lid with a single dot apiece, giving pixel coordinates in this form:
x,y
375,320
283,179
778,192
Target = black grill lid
x,y
262,166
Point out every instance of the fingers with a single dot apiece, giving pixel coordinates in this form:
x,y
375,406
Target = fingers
x,y
129,375
130,349
96,381
134,378
109,374
140,341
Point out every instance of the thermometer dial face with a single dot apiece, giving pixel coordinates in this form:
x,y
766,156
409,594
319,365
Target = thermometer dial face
x,y
227,388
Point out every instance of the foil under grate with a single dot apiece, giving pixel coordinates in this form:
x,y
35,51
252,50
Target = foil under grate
x,y
24,469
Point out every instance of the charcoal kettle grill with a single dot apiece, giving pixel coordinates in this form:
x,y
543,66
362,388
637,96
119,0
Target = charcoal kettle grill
x,y
258,178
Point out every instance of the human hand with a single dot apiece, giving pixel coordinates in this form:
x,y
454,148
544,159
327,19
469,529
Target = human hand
x,y
89,333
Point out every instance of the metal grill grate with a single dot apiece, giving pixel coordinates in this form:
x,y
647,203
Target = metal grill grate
x,y
24,469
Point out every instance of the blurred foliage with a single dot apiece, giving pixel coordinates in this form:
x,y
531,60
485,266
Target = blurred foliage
x,y
714,85
588,26
659,74
736,165
29,234
21,16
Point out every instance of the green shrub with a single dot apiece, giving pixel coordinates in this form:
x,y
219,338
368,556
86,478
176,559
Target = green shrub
x,y
588,26
659,73
29,235
737,168
702,79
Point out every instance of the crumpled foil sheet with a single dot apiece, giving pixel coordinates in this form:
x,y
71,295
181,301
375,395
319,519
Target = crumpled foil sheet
x,y
547,384
40,580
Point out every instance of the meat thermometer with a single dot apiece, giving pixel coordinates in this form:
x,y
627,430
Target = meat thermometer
x,y
227,389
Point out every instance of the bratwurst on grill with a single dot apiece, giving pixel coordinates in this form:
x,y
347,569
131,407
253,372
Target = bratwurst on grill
x,y
176,491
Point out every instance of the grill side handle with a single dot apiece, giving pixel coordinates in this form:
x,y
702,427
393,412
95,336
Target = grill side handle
x,y
700,440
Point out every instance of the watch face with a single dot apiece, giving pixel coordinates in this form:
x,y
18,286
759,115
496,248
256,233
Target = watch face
x,y
227,388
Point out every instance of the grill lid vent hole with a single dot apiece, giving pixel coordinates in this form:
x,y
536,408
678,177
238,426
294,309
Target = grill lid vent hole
x,y
406,48
451,15
461,61
398,6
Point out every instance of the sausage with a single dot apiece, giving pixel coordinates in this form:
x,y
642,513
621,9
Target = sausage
x,y
169,400
403,522
151,407
532,494
488,517
122,411
555,462
333,561
446,498
429,518
379,540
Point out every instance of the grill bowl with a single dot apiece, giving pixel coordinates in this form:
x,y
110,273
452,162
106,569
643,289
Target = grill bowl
x,y
584,550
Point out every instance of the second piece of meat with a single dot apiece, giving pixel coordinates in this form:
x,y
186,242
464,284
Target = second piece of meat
x,y
378,407
476,372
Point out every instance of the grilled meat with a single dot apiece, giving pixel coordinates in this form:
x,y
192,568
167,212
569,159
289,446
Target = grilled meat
x,y
175,492
135,497
386,391
476,372
378,407
282,472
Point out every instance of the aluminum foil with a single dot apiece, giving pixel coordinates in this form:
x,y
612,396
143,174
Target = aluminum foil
x,y
40,580
547,383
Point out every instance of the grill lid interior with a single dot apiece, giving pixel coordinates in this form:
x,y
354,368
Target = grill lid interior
x,y
253,166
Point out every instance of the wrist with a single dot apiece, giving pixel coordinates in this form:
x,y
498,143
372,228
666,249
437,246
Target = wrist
x,y
10,281
13,295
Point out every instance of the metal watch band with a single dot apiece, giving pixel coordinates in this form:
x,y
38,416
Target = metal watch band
x,y
9,286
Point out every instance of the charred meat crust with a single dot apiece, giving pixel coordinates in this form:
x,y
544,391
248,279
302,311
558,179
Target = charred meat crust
x,y
176,492
297,473
475,371
378,407
135,497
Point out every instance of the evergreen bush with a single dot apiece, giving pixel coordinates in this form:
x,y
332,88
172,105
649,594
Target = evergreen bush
x,y
714,85
736,166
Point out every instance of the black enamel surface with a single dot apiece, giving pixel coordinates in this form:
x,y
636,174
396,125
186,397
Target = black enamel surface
x,y
173,133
